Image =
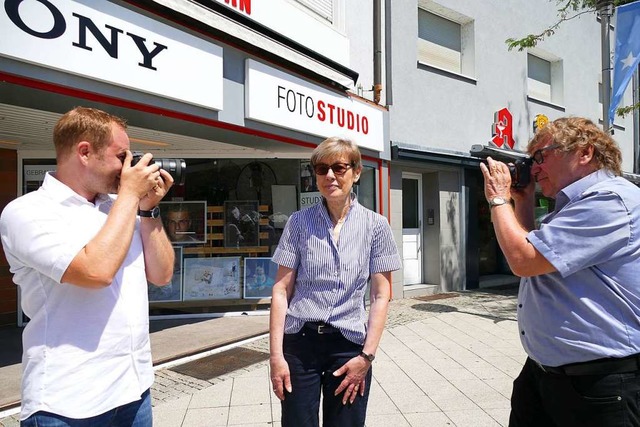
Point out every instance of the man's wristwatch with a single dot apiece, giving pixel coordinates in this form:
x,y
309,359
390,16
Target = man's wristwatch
x,y
369,357
153,213
497,201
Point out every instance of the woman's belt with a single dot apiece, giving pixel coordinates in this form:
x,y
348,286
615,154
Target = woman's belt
x,y
321,327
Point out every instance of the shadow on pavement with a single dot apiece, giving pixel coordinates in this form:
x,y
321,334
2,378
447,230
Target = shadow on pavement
x,y
497,314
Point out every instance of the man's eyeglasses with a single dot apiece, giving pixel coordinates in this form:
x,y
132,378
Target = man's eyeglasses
x,y
537,155
337,168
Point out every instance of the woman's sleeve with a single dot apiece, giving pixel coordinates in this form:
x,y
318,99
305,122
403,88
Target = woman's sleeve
x,y
384,252
287,253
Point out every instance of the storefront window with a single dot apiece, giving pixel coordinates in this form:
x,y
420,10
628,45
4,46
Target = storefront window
x,y
225,223
365,189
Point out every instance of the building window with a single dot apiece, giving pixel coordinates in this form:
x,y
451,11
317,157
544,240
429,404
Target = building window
x,y
324,8
544,79
439,41
539,78
446,42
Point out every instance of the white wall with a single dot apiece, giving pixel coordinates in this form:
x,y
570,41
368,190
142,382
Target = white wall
x,y
444,112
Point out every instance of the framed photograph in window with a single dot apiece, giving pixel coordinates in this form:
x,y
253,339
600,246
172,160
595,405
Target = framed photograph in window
x,y
172,291
259,277
211,278
185,222
241,223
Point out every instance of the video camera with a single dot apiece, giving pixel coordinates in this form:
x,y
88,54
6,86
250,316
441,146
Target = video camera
x,y
176,167
519,163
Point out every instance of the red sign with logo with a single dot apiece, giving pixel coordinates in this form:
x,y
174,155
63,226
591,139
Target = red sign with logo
x,y
502,129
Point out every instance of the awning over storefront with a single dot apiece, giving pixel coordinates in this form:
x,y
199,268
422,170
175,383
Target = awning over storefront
x,y
408,152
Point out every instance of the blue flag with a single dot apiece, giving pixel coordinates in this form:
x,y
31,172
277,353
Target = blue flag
x,y
627,52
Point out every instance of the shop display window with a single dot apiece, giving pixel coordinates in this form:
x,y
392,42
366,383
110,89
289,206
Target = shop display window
x,y
225,223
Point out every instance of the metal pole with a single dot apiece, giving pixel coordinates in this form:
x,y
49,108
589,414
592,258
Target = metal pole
x,y
377,50
605,9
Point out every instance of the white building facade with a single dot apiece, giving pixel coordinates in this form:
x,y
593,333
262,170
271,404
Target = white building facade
x,y
453,83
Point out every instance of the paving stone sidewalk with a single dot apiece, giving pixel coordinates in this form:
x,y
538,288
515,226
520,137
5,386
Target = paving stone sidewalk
x,y
446,360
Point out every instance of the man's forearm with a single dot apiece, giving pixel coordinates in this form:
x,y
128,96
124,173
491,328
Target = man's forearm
x,y
97,263
158,252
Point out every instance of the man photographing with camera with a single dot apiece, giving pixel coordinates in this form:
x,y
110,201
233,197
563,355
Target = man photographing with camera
x,y
579,296
82,257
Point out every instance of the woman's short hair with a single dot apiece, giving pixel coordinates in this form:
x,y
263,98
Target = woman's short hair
x,y
336,147
84,124
576,133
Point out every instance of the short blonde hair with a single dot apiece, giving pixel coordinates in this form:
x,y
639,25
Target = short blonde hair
x,y
576,133
335,147
84,124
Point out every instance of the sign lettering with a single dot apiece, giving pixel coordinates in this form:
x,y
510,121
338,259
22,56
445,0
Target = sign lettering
x,y
109,43
85,24
301,104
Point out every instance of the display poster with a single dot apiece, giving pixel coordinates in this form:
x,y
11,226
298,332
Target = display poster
x,y
241,223
185,222
211,278
172,291
259,277
284,204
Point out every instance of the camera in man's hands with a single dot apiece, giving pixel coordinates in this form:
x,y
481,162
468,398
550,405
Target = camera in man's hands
x,y
520,172
519,163
177,168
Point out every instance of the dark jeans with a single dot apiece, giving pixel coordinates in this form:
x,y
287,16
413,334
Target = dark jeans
x,y
545,399
134,414
312,359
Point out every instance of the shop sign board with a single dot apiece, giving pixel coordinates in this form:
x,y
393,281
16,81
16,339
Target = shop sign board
x,y
502,129
34,176
109,43
278,98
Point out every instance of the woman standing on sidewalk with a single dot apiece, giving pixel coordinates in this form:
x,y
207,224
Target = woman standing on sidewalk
x,y
320,336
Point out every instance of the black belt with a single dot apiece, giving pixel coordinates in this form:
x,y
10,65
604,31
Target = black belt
x,y
321,327
597,367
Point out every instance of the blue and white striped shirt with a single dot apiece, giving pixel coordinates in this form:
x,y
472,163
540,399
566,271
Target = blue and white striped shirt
x,y
331,279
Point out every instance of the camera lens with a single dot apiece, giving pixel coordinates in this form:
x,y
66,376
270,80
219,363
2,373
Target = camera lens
x,y
520,172
175,167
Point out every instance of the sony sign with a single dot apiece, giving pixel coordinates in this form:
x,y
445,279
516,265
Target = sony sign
x,y
106,42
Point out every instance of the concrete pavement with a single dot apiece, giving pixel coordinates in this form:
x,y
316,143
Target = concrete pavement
x,y
446,360
442,362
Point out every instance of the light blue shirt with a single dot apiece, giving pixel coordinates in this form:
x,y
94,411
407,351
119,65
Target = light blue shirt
x,y
590,307
331,279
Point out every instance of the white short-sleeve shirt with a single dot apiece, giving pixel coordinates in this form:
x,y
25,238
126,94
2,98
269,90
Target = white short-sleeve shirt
x,y
86,351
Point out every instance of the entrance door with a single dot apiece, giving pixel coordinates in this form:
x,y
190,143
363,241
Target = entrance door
x,y
412,228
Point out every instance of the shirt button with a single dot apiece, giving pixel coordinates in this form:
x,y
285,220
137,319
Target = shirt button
x,y
519,305
522,332
336,273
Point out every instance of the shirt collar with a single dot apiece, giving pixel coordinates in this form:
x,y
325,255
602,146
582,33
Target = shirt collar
x,y
61,192
575,189
352,205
